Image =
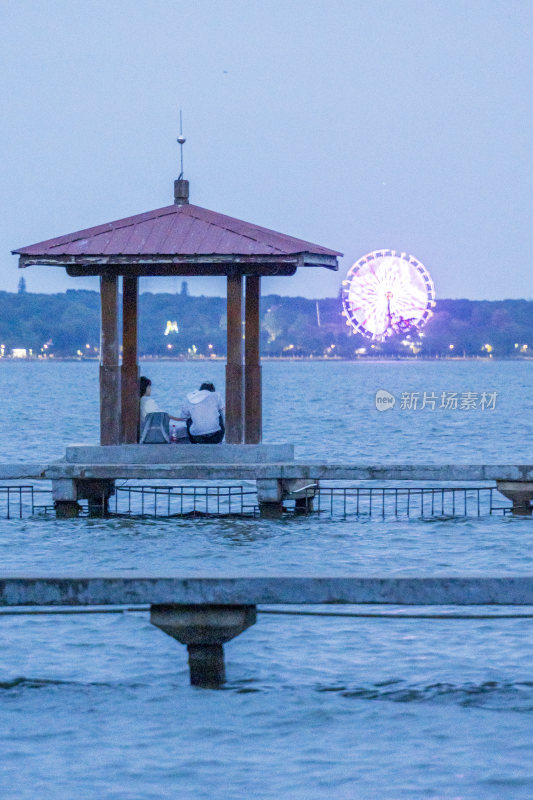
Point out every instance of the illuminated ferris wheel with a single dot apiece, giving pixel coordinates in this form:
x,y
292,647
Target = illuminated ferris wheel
x,y
387,293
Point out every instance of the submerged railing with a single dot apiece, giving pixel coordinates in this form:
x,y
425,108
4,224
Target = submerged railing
x,y
17,502
335,502
184,501
21,501
406,501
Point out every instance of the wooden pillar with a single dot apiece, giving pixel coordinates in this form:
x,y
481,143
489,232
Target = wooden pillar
x,y
252,362
234,368
109,362
130,369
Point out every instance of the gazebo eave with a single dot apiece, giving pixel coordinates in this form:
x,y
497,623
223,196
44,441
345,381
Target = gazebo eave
x,y
176,264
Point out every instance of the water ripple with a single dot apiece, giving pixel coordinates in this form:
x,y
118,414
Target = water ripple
x,y
494,695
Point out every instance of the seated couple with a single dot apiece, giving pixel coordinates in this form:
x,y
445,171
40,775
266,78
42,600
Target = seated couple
x,y
202,413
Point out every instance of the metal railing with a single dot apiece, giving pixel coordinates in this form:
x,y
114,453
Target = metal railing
x,y
184,501
335,502
17,502
421,502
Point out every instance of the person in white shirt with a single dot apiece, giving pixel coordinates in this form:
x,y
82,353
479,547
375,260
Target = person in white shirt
x,y
203,411
148,404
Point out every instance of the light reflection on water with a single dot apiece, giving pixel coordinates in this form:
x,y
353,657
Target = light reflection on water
x,y
99,707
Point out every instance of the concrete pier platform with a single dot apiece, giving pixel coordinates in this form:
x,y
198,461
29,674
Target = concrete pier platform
x,y
286,470
134,590
205,613
277,474
275,480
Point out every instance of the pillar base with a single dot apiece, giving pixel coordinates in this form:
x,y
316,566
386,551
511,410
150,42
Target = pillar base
x,y
271,510
269,497
252,404
234,406
67,492
66,509
204,629
65,496
520,493
206,665
269,490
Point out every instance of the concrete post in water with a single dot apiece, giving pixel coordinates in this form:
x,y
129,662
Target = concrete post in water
x,y
65,497
270,496
67,492
520,493
66,509
204,629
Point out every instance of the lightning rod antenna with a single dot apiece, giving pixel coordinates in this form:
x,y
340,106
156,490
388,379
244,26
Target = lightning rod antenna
x,y
181,186
181,141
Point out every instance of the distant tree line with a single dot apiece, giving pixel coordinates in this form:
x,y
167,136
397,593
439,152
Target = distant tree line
x,y
183,325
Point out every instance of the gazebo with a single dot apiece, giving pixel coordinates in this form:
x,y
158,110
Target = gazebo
x,y
181,239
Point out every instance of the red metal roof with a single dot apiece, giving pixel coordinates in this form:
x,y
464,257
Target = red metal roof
x,y
184,230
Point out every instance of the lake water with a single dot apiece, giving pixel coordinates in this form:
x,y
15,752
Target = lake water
x,y
99,707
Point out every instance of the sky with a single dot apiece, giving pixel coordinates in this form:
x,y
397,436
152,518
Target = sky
x,y
354,124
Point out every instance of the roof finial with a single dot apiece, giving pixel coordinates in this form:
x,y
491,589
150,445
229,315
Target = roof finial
x,y
181,186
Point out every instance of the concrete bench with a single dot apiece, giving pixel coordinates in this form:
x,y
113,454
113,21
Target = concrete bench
x,y
179,454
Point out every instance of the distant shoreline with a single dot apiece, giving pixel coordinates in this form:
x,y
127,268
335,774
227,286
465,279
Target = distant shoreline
x,y
335,359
